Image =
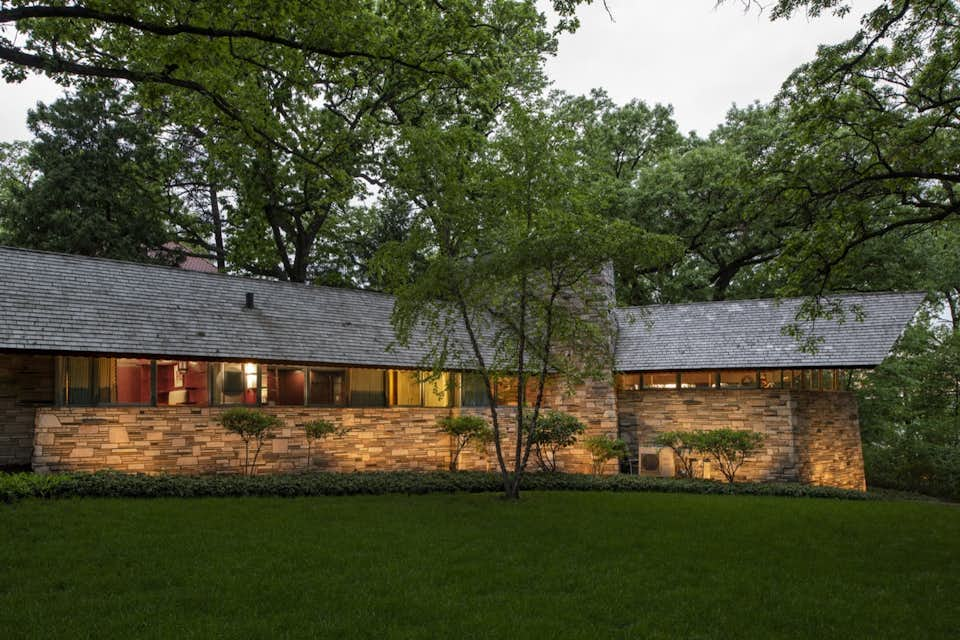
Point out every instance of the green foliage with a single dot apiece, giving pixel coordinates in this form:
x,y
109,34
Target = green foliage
x,y
91,182
507,244
465,429
682,445
729,448
913,464
603,449
318,430
253,426
554,430
111,484
910,413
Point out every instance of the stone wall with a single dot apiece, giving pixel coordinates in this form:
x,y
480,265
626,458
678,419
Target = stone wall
x,y
828,440
189,440
809,436
26,382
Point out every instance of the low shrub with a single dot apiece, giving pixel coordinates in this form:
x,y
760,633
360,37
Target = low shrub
x,y
111,484
603,449
678,442
555,430
464,430
729,448
318,430
253,426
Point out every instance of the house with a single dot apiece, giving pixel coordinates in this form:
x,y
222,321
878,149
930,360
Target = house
x,y
108,364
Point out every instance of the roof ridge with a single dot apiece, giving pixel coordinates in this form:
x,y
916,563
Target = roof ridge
x,y
848,294
188,272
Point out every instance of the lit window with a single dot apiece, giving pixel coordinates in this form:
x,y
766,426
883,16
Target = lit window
x,y
697,379
437,391
235,383
741,379
132,382
368,388
182,382
405,386
628,381
285,385
89,381
771,379
506,392
660,380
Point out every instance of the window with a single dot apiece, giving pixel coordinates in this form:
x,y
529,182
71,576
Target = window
x,y
660,380
405,389
182,382
828,380
771,379
628,381
473,393
132,384
505,392
368,388
437,392
697,379
235,383
286,386
78,385
326,387
742,379
89,381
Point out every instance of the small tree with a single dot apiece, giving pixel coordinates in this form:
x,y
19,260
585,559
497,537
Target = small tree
x,y
318,430
554,430
252,426
729,448
603,449
464,430
683,444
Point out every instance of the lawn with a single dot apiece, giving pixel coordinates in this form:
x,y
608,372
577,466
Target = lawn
x,y
556,565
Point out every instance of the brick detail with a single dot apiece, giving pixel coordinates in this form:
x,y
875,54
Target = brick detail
x,y
26,382
810,436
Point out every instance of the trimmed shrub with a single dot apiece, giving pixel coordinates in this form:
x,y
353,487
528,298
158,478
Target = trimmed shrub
x,y
603,449
111,484
464,430
729,448
318,430
252,426
679,443
554,430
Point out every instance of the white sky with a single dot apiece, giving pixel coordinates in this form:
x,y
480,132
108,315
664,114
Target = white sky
x,y
699,58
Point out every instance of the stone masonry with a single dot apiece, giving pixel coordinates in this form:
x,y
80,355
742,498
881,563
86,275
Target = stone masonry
x,y
189,440
810,436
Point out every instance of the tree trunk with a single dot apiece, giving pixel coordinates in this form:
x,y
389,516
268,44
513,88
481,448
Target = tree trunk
x,y
217,228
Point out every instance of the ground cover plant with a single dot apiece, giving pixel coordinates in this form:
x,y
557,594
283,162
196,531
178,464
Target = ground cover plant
x,y
578,565
110,484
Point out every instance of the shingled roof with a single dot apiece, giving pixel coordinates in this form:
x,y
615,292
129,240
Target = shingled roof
x,y
748,333
64,303
51,302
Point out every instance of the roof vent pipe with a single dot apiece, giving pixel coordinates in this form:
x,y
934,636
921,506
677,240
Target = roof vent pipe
x,y
249,304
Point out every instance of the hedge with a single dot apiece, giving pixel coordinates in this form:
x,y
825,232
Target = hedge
x,y
104,484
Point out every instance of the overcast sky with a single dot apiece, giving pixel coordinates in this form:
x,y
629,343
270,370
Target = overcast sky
x,y
687,53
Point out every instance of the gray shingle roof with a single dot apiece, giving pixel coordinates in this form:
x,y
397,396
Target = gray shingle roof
x,y
747,334
62,303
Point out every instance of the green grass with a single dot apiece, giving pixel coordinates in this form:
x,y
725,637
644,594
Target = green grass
x,y
556,565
